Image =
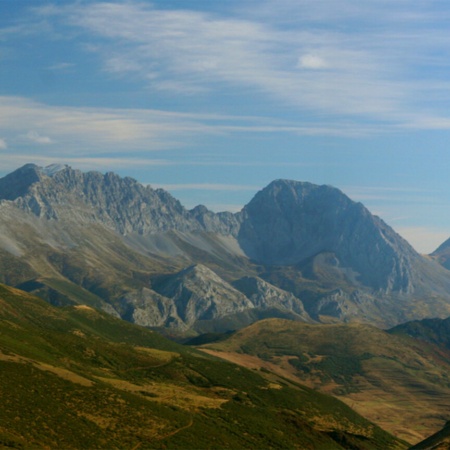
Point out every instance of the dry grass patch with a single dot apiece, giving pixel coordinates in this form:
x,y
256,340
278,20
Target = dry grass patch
x,y
58,371
84,308
161,355
186,398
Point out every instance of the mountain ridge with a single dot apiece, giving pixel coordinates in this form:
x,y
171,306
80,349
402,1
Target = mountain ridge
x,y
111,235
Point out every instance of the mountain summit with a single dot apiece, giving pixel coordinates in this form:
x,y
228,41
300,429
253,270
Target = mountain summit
x,y
73,237
289,222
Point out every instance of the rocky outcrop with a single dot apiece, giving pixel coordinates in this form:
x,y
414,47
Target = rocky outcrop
x,y
264,295
199,294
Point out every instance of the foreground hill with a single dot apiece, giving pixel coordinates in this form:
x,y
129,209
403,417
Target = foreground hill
x,y
73,237
400,383
75,377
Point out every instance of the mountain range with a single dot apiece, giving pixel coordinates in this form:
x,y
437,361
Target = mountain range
x,y
296,250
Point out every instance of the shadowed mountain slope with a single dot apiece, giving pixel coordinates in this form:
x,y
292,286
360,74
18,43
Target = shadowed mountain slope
x,y
435,331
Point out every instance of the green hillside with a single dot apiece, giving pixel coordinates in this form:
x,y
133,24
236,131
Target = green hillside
x,y
400,383
77,378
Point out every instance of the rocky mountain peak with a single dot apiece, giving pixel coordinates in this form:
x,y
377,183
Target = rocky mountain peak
x,y
444,247
17,183
289,222
53,169
199,272
200,294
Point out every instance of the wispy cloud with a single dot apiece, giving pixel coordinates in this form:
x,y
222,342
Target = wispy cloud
x,y
3,144
65,130
37,138
373,53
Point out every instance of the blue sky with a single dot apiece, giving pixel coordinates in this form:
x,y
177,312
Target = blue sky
x,y
212,100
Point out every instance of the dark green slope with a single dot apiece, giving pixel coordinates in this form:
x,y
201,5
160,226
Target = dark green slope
x,y
434,331
78,378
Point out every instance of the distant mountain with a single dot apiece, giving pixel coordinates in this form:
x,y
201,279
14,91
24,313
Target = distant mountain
x,y
442,254
74,237
400,383
290,222
338,245
76,377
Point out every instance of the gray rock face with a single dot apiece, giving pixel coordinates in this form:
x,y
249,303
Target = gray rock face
x,y
264,295
150,309
199,294
288,222
121,204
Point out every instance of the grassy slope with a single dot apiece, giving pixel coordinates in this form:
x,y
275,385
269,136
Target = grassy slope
x,y
77,378
397,382
438,441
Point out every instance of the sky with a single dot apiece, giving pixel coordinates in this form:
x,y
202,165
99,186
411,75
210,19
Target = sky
x,y
212,100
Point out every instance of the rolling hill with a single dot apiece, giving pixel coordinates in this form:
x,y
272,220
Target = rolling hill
x,y
398,382
75,377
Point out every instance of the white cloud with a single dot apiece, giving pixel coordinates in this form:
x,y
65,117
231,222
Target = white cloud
x,y
36,138
3,144
312,62
369,50
86,131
